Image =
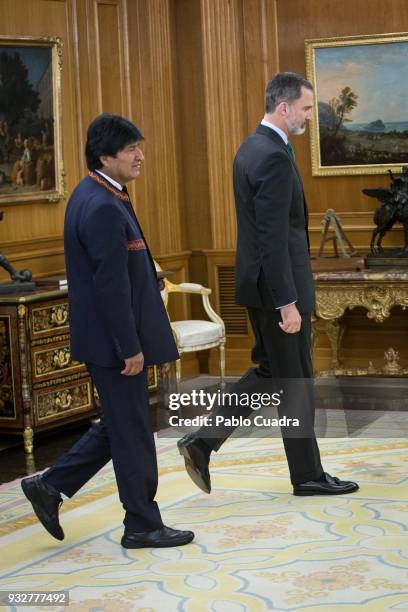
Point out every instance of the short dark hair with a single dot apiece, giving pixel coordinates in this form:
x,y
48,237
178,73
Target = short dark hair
x,y
107,135
284,87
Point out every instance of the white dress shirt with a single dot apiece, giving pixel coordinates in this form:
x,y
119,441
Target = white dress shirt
x,y
277,130
111,180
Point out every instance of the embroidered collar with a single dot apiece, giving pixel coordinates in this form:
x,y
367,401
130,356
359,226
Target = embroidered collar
x,y
101,181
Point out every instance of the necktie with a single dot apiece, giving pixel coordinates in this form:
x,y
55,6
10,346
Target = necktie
x,y
291,151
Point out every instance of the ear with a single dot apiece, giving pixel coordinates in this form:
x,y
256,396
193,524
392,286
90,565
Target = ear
x,y
104,159
282,108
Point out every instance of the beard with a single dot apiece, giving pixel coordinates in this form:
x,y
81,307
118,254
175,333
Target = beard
x,y
294,128
298,131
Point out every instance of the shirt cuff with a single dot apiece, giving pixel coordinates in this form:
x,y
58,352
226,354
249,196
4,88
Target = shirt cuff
x,y
279,307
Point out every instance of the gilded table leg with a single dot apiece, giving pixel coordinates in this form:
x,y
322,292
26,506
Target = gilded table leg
x,y
28,436
315,333
25,379
178,374
334,331
30,464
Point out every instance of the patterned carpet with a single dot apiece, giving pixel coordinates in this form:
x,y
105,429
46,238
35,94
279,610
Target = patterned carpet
x,y
257,547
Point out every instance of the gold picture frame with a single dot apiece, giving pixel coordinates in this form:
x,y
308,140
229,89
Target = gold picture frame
x,y
358,126
31,156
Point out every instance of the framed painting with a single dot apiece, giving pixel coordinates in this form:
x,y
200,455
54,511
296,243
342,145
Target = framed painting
x,y
360,121
31,164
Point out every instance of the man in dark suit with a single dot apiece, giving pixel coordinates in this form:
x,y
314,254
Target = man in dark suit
x,y
274,282
119,326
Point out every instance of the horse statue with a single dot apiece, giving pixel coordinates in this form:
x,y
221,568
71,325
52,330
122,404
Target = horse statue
x,y
394,207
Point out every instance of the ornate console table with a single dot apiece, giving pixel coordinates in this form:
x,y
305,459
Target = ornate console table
x,y
375,291
41,387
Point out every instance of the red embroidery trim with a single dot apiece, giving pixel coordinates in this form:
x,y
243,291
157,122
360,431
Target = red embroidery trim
x,y
109,187
137,245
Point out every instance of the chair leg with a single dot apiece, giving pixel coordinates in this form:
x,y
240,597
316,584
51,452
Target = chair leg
x,y
178,375
222,363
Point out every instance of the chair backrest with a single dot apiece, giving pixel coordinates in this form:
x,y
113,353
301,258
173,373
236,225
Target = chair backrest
x,y
164,292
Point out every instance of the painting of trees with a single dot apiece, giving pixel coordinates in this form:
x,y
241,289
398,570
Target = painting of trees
x,y
31,166
360,116
342,106
16,92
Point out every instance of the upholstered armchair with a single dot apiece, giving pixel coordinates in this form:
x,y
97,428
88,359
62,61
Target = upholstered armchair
x,y
195,334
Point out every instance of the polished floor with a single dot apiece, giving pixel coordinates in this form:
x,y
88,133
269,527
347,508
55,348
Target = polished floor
x,y
346,407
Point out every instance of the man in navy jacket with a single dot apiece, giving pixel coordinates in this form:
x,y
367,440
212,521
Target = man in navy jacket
x,y
118,327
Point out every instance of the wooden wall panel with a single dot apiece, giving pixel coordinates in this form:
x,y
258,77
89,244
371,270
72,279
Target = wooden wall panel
x,y
225,108
242,45
30,224
260,55
109,57
191,74
117,57
191,125
228,50
297,21
152,103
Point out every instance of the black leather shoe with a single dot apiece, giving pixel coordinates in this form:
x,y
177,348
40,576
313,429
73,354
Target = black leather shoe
x,y
46,503
196,458
161,538
330,485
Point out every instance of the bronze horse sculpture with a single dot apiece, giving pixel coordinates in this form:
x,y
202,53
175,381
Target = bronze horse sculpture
x,y
394,207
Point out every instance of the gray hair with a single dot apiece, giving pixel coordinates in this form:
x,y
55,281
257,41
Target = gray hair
x,y
284,87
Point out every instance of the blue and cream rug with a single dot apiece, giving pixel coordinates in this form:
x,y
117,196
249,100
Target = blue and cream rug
x,y
257,547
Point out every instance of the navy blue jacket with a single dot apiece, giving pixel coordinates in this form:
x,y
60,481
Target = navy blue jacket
x,y
115,306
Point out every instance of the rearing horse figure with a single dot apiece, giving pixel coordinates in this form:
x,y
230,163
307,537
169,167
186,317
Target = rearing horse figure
x,y
394,207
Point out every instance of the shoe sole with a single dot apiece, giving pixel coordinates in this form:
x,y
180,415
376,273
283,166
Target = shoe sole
x,y
192,471
159,545
28,492
310,493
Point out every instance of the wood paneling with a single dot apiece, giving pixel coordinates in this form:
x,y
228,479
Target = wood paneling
x,y
33,222
363,340
109,57
152,92
191,126
261,57
298,20
191,74
243,44
225,107
226,52
117,57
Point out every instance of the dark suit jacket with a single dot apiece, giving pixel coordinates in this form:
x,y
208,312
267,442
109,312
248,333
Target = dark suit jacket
x,y
272,260
115,306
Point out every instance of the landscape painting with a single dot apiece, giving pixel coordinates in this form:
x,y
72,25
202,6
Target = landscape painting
x,y
30,123
361,104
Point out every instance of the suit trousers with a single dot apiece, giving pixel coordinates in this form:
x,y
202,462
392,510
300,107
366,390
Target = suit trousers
x,y
123,435
282,358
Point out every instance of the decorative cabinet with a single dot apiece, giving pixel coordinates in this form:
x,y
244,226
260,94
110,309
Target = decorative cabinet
x,y
40,386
